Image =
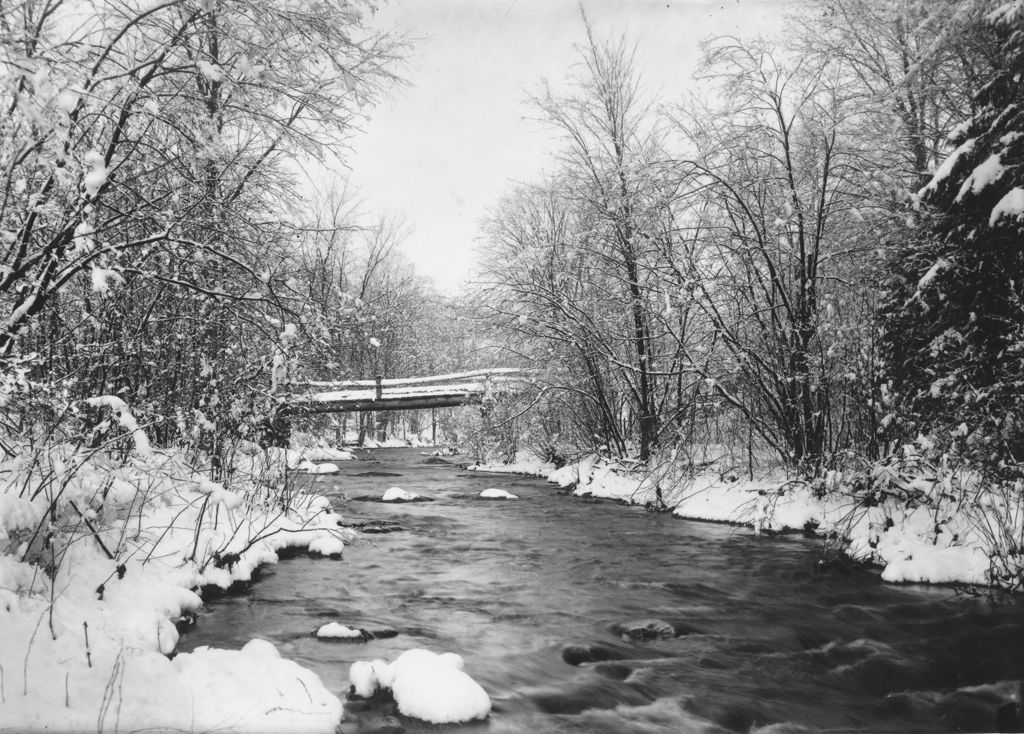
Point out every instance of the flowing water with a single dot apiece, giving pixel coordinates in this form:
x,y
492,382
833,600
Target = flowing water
x,y
533,594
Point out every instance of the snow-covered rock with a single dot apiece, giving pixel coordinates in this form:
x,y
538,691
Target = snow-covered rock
x,y
497,494
327,546
397,494
310,468
336,631
645,629
426,686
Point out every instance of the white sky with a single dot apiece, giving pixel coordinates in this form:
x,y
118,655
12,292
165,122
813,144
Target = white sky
x,y
443,150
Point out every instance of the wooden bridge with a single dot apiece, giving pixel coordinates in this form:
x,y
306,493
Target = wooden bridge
x,y
411,393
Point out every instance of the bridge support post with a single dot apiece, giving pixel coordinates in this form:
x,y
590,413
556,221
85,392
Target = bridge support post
x,y
378,388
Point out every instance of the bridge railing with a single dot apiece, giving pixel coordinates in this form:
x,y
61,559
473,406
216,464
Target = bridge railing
x,y
494,373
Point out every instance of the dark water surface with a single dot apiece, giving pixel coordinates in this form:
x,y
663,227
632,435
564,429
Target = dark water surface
x,y
766,642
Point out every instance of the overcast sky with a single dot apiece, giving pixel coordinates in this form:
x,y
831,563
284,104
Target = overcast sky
x,y
442,150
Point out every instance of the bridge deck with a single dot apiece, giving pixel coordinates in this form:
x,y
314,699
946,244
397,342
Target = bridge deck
x,y
440,391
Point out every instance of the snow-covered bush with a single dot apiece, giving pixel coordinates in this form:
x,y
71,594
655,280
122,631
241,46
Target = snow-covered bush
x,y
934,520
103,550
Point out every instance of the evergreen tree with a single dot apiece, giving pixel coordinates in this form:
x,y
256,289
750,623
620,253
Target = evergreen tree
x,y
953,320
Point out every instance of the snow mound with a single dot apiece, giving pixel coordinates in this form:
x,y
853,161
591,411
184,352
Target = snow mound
x,y
254,687
397,494
366,678
426,686
497,494
931,565
336,631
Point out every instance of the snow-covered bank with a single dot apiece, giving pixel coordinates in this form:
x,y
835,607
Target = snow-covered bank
x,y
393,443
921,524
128,545
306,450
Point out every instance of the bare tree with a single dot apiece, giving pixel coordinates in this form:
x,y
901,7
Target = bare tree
x,y
775,179
616,168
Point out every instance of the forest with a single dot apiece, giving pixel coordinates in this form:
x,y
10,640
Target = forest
x,y
809,266
810,261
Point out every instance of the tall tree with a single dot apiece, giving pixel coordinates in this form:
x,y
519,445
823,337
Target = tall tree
x,y
616,169
954,316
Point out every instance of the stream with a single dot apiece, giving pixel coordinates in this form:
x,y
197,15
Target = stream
x,y
535,595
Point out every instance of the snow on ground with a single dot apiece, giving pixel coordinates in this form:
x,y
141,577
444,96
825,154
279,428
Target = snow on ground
x,y
306,449
426,686
920,524
525,463
131,543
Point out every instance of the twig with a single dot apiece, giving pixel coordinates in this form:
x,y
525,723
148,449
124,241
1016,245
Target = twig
x,y
199,526
31,641
305,689
92,530
108,693
88,652
53,634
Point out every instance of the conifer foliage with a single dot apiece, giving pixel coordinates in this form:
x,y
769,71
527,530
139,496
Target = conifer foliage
x,y
953,323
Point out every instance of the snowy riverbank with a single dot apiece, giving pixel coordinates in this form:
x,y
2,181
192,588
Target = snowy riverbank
x,y
917,522
88,647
